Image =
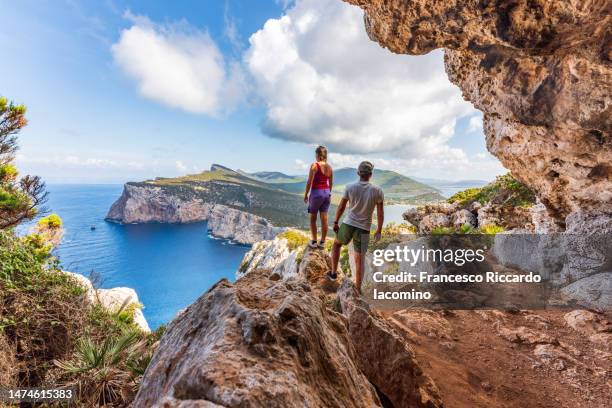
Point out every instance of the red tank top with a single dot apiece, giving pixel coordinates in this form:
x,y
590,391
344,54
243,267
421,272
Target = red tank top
x,y
320,180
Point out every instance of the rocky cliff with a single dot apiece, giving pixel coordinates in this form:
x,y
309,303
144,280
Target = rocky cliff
x,y
149,203
541,73
114,300
265,342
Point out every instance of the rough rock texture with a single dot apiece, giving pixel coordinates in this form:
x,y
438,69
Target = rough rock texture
x,y
541,73
432,221
463,217
240,226
114,299
274,255
542,222
400,378
509,217
140,204
280,343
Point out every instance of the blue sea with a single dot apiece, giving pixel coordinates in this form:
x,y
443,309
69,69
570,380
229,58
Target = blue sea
x,y
169,265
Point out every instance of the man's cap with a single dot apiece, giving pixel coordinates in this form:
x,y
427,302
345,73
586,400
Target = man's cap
x,y
365,167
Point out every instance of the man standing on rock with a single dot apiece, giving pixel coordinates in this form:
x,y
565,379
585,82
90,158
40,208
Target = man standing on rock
x,y
363,198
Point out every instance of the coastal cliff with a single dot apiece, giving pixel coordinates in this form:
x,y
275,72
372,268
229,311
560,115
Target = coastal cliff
x,y
141,203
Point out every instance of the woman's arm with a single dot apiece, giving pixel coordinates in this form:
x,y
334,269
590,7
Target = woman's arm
x,y
309,182
331,178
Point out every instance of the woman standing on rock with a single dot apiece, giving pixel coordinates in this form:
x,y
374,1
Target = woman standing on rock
x,y
319,187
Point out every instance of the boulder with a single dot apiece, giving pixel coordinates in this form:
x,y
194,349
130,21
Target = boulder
x,y
117,299
414,215
593,291
113,300
432,221
463,217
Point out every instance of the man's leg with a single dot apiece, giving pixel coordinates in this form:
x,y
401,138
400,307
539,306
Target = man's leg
x,y
361,239
335,256
313,226
358,257
323,226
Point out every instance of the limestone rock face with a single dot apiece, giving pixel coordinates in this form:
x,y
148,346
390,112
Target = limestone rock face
x,y
141,204
114,299
240,226
541,73
431,221
274,255
294,342
259,343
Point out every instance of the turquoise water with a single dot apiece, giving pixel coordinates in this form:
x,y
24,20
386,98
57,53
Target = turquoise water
x,y
169,265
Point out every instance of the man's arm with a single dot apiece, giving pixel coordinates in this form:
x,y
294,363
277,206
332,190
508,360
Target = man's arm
x,y
309,182
339,212
380,219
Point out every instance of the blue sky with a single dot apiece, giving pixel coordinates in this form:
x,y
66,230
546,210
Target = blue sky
x,y
127,90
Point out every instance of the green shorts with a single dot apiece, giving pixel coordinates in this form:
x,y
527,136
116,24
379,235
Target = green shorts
x,y
348,233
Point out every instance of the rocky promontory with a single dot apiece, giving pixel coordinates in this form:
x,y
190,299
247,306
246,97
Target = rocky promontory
x,y
142,203
269,342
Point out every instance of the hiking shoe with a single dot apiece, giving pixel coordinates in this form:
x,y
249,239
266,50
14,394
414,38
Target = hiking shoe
x,y
312,244
321,245
332,276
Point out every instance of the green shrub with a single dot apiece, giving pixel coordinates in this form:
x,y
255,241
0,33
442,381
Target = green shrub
x,y
51,221
443,231
506,189
42,309
491,229
8,173
108,371
295,239
467,229
466,196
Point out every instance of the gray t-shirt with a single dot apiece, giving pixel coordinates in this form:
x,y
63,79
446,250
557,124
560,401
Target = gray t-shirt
x,y
362,197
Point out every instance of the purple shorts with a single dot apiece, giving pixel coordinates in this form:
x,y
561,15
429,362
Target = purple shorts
x,y
319,200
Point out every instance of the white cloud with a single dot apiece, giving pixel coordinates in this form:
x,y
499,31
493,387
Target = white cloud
x,y
180,166
475,124
322,80
178,65
301,164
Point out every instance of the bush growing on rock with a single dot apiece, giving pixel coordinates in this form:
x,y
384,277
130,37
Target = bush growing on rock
x,y
491,229
46,315
505,190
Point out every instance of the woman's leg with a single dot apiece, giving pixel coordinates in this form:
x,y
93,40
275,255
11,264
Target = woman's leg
x,y
323,226
313,226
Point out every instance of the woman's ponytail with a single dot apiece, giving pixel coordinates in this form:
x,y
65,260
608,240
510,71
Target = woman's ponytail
x,y
321,153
